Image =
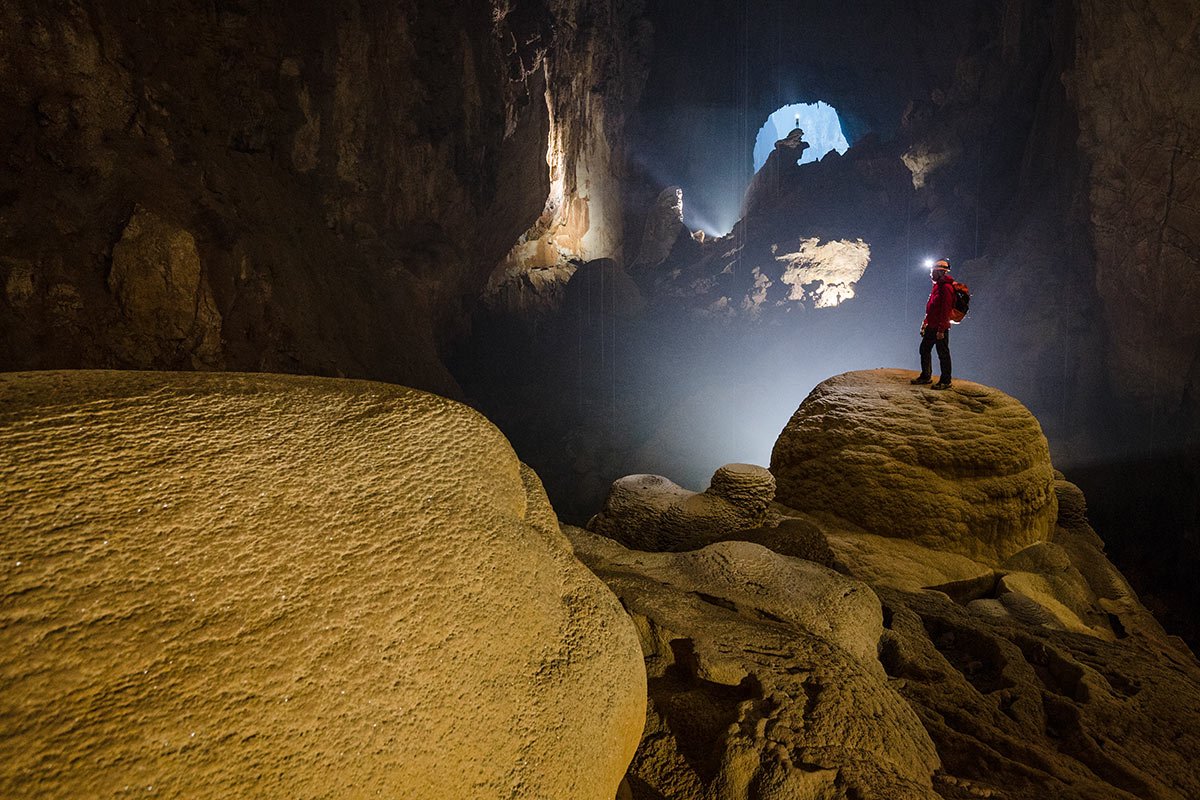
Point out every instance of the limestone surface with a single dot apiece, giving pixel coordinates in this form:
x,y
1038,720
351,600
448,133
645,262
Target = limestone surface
x,y
793,536
903,564
1064,584
966,470
763,678
649,512
1026,712
224,585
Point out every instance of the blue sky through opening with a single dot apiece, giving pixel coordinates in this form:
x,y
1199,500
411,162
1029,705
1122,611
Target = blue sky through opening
x,y
821,126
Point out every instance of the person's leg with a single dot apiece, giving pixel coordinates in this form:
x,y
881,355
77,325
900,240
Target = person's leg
x,y
943,350
926,349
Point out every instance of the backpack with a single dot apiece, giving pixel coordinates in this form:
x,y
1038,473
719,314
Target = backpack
x,y
962,303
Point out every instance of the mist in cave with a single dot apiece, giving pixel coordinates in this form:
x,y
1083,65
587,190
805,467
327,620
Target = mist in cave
x,y
711,371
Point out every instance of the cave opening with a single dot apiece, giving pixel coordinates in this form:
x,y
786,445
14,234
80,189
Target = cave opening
x,y
821,125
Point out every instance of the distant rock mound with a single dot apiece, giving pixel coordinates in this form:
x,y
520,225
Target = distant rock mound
x,y
966,471
222,585
649,512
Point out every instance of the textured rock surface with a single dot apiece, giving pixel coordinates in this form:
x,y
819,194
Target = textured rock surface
x,y
1142,139
904,564
966,470
1064,584
233,585
763,678
649,512
1139,135
1028,713
790,537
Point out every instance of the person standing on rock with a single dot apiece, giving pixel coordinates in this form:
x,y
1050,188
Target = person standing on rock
x,y
935,330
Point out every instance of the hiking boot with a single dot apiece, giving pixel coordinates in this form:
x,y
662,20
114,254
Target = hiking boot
x,y
942,385
921,380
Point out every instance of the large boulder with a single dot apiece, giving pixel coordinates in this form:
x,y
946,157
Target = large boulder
x,y
764,678
221,585
966,470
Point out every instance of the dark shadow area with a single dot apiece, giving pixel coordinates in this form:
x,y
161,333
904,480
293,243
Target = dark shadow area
x,y
698,712
1147,510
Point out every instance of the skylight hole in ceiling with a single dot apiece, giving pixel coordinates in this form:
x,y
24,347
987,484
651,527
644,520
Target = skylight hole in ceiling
x,y
820,123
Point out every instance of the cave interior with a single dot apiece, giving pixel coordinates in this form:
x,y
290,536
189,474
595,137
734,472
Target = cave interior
x,y
550,211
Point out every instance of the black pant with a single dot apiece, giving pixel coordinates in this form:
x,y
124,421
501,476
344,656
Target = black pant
x,y
928,340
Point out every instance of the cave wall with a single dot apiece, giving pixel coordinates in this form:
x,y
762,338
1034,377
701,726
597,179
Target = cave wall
x,y
595,71
1136,85
294,187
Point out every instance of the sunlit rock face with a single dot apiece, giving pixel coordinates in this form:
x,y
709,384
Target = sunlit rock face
x,y
966,470
594,44
763,678
725,280
823,275
248,585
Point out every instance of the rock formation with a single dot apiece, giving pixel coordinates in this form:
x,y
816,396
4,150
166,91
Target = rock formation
x,y
593,75
772,180
967,471
1034,670
763,678
649,512
1142,150
599,289
663,228
164,295
232,585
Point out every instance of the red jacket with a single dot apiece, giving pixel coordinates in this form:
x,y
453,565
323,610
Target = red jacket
x,y
941,303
